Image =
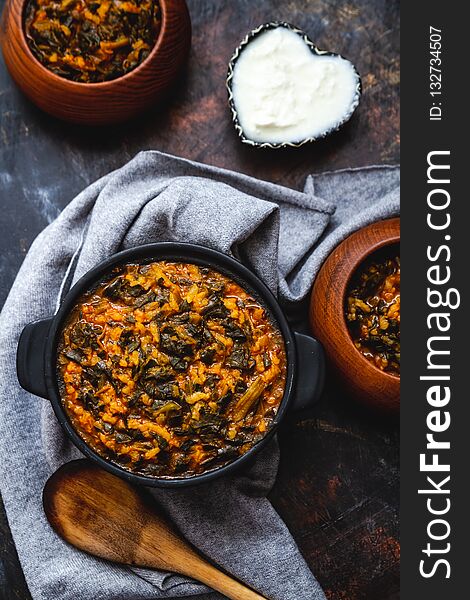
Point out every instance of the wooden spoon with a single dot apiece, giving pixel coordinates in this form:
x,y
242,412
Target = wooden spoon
x,y
105,516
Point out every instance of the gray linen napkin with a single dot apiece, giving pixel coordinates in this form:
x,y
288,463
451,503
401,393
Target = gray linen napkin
x,y
284,235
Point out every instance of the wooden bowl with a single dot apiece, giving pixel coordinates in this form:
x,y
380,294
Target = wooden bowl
x,y
363,380
109,101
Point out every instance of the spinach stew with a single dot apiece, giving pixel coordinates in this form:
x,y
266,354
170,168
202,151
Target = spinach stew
x,y
170,369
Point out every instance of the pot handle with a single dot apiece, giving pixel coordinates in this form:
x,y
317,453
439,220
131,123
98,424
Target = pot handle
x,y
30,357
310,371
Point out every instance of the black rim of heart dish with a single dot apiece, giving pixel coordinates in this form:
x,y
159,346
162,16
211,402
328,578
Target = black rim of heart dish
x,y
315,50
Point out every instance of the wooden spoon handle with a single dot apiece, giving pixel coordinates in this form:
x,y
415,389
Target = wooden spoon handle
x,y
198,568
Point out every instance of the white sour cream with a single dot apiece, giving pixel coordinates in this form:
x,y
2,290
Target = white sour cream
x,y
284,93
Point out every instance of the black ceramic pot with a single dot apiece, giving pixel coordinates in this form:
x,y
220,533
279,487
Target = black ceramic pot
x,y
37,351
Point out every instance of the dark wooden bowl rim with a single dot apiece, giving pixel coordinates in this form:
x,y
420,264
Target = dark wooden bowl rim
x,y
101,84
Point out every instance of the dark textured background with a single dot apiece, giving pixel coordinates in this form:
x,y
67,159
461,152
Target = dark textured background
x,y
338,484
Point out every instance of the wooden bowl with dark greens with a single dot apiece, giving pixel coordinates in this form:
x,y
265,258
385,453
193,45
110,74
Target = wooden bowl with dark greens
x,y
354,313
95,63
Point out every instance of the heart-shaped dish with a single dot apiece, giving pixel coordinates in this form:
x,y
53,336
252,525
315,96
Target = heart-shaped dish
x,y
258,92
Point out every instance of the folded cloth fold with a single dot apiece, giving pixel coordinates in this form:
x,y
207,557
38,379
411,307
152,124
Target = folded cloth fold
x,y
283,235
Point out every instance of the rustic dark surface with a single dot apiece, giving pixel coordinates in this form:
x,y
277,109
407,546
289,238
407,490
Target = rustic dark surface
x,y
338,484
